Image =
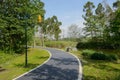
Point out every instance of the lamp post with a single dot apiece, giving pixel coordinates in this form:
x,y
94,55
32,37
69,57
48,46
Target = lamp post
x,y
26,16
26,61
34,44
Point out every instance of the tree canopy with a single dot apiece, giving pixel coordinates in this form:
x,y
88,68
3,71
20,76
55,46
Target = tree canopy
x,y
103,23
16,15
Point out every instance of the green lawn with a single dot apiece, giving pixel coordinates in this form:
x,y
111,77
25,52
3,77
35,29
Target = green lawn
x,y
13,65
93,69
99,70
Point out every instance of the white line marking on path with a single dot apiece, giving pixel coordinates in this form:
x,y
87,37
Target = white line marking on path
x,y
80,65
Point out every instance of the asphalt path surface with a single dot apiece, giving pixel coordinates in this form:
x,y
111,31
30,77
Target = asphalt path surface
x,y
61,66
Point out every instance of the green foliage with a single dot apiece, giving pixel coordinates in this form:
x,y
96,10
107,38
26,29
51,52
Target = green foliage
x,y
60,44
115,27
112,57
117,77
102,56
97,45
99,56
99,69
15,17
51,28
6,57
104,24
87,53
13,65
89,18
116,4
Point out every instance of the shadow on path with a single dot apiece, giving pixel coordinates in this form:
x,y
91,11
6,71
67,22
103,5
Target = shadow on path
x,y
49,72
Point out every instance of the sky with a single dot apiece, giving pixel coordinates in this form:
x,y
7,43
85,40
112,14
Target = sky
x,y
68,11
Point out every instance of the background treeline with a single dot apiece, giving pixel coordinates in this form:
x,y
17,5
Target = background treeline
x,y
102,26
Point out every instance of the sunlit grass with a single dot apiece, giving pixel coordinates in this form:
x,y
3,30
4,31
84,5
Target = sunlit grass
x,y
98,69
60,44
14,66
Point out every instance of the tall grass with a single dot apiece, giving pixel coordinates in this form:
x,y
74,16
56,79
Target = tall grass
x,y
60,44
4,57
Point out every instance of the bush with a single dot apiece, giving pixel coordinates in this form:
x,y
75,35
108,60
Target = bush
x,y
112,57
97,45
102,56
117,77
87,53
99,56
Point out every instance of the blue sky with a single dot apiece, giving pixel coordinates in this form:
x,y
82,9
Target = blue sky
x,y
68,11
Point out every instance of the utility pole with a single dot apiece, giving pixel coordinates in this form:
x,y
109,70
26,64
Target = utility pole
x,y
26,16
26,61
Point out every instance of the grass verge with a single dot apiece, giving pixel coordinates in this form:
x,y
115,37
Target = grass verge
x,y
13,65
98,69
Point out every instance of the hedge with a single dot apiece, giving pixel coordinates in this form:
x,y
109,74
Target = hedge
x,y
97,45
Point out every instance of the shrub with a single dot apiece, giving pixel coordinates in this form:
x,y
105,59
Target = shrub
x,y
112,57
117,77
97,45
102,56
87,53
99,56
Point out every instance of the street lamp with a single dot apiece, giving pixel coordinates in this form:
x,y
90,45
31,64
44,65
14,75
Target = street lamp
x,y
26,61
25,17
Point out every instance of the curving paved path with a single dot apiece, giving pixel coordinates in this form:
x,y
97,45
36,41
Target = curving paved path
x,y
61,66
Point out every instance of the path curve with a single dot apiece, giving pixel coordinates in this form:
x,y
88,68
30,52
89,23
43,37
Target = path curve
x,y
61,66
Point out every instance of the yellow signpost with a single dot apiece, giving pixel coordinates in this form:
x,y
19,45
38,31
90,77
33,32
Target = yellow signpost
x,y
39,21
39,18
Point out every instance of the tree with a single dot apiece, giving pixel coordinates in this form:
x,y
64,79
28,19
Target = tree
x,y
100,20
74,31
104,24
16,15
89,18
108,14
114,27
116,4
57,30
51,27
